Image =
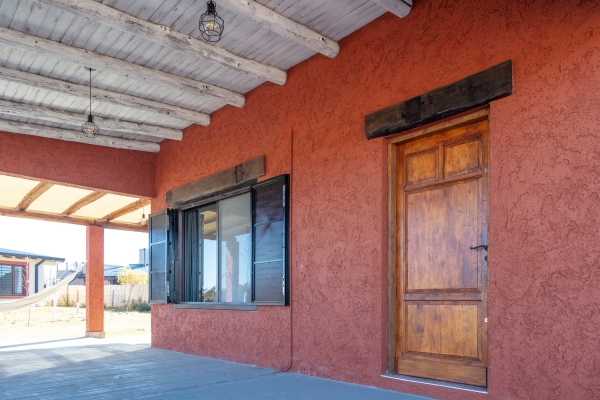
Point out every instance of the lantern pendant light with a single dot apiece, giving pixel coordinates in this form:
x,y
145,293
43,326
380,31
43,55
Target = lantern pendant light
x,y
211,24
143,220
89,128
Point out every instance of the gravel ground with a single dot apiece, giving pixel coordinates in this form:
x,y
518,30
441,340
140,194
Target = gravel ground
x,y
22,326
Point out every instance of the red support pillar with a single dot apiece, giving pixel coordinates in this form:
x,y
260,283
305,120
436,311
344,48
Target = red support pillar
x,y
94,282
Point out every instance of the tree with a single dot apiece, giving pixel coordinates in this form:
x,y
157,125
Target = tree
x,y
127,276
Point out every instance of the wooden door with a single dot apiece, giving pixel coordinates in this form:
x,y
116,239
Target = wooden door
x,y
442,211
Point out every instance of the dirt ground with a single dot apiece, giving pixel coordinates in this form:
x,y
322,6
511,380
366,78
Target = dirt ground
x,y
22,327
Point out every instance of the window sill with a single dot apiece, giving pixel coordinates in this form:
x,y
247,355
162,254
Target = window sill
x,y
433,382
216,306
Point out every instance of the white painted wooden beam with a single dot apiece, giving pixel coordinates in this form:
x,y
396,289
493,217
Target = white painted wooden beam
x,y
73,89
283,26
87,58
76,136
399,7
75,119
167,37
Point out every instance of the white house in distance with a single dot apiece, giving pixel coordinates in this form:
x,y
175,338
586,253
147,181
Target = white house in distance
x,y
22,273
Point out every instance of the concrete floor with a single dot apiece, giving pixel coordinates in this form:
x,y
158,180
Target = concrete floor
x,y
127,368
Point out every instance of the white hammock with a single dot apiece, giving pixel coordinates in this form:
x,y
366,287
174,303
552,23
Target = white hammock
x,y
15,305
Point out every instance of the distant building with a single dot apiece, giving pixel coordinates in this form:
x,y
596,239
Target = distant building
x,y
23,273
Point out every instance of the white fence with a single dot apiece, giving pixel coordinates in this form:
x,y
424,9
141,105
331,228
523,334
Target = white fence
x,y
115,296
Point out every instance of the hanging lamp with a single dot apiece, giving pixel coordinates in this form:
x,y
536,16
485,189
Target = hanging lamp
x,y
211,24
89,128
143,220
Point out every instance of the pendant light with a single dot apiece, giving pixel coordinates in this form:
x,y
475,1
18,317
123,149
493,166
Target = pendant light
x,y
143,220
89,128
211,25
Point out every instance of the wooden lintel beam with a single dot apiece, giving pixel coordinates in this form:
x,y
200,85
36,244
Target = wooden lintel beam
x,y
106,96
467,94
88,58
9,212
33,195
400,8
164,35
283,26
76,136
79,204
136,205
75,119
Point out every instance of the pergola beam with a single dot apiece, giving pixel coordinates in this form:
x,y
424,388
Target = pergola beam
x,y
76,136
136,205
79,204
33,194
87,58
42,216
283,26
400,8
73,89
75,119
167,37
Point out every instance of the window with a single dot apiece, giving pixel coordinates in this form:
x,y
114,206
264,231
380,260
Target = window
x,y
12,280
231,250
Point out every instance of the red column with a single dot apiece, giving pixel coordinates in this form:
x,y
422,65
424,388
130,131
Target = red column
x,y
94,282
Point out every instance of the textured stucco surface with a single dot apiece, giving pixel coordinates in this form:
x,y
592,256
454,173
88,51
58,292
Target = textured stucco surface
x,y
94,285
94,167
544,197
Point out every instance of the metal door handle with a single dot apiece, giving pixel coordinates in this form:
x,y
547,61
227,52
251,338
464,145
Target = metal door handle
x,y
480,246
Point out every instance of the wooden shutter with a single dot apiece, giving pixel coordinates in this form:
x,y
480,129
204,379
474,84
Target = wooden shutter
x,y
270,236
158,229
173,256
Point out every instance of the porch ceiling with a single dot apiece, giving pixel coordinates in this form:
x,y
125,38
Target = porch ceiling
x,y
155,75
34,199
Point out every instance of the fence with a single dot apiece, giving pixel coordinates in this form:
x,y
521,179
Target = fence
x,y
115,296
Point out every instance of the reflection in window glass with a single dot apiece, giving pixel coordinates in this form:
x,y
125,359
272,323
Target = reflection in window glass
x,y
208,216
235,247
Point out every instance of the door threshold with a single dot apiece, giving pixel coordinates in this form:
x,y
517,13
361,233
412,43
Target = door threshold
x,y
435,382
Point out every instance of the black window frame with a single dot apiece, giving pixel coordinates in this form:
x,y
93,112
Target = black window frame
x,y
176,246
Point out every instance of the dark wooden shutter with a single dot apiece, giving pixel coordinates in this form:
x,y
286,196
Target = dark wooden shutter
x,y
270,237
173,256
158,228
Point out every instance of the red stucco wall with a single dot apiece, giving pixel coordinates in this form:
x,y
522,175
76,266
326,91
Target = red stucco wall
x,y
544,197
95,167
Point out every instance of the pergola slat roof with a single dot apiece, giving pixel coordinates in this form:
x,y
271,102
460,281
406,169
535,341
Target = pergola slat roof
x,y
28,198
155,75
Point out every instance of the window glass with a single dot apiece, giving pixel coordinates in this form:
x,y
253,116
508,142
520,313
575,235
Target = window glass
x,y
6,279
18,286
235,249
208,235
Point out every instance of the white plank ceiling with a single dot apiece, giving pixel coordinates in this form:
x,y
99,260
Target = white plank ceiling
x,y
333,19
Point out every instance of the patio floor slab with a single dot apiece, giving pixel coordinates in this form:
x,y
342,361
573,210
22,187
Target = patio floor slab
x,y
128,368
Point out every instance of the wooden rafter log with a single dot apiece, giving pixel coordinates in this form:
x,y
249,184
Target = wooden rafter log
x,y
79,204
42,216
283,26
73,89
75,119
88,58
400,8
33,195
76,136
167,37
136,205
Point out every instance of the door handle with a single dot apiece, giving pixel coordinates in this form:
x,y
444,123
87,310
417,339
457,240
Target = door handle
x,y
480,246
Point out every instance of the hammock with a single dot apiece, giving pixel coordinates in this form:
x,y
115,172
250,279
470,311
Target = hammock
x,y
15,305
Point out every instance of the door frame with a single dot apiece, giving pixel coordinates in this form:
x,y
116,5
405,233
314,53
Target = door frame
x,y
392,228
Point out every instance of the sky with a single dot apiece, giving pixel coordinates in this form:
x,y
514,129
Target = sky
x,y
68,241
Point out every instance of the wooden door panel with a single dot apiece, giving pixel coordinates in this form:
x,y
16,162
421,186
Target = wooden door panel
x,y
462,157
441,206
438,257
421,167
445,329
